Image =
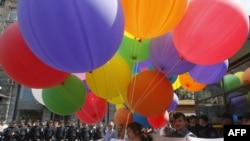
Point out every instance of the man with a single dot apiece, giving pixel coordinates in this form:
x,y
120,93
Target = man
x,y
193,125
206,130
179,123
245,119
225,119
111,133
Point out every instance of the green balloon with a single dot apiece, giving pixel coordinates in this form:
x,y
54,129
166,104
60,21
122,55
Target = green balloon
x,y
134,50
230,82
65,98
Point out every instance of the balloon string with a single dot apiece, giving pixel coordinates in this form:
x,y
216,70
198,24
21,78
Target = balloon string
x,y
136,49
126,125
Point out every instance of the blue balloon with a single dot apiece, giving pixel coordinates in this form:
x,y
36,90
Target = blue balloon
x,y
166,58
172,78
141,119
209,74
72,35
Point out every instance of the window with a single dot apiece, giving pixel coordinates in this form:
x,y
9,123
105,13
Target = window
x,y
2,2
13,14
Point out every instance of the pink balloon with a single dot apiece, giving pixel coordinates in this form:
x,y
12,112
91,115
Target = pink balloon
x,y
211,31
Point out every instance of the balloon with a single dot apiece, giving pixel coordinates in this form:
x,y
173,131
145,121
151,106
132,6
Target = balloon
x,y
93,110
172,78
111,79
165,57
141,119
239,74
142,66
209,74
80,75
246,76
116,100
66,98
176,84
189,84
134,50
149,93
230,82
72,36
37,94
157,121
203,42
174,103
148,19
118,106
122,116
21,65
238,102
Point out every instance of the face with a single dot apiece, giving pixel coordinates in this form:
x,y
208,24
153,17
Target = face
x,y
130,133
245,121
226,121
179,123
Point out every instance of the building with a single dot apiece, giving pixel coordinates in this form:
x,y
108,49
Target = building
x,y
17,102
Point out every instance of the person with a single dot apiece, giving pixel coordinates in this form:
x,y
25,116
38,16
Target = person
x,y
59,133
3,126
205,130
84,132
23,131
193,125
49,131
11,133
111,133
120,131
179,124
225,119
245,119
135,132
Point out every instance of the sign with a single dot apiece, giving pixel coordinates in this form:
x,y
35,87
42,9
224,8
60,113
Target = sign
x,y
236,132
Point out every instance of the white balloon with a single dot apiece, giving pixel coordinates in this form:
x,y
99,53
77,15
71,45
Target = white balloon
x,y
37,94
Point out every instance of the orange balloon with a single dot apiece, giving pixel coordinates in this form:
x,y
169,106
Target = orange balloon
x,y
189,84
150,93
123,116
152,18
246,76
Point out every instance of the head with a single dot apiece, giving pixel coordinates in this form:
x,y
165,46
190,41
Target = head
x,y
111,125
226,119
203,120
245,119
179,121
192,120
134,130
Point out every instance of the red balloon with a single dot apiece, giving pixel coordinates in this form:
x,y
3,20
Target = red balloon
x,y
22,65
157,121
93,110
211,31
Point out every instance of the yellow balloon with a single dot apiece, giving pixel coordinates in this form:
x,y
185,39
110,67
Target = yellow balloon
x,y
111,79
239,75
119,106
176,84
116,100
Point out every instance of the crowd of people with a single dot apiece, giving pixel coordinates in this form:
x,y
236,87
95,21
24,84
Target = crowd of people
x,y
179,125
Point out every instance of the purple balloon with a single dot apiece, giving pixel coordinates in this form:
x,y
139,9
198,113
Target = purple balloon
x,y
209,74
72,35
165,56
174,103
